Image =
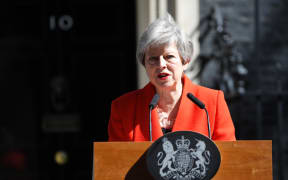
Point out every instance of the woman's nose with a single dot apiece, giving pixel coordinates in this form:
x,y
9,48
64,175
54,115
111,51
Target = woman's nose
x,y
162,62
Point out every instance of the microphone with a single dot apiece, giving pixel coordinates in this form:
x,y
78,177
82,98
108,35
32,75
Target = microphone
x,y
201,106
152,105
154,101
195,100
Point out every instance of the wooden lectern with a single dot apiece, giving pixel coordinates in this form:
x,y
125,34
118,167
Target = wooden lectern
x,y
241,159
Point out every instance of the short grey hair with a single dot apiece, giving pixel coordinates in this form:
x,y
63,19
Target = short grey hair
x,y
164,31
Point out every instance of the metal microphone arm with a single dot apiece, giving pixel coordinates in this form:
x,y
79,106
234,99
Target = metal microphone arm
x,y
150,124
152,105
201,106
208,121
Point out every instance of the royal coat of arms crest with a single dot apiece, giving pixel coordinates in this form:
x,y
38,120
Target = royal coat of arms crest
x,y
183,158
185,163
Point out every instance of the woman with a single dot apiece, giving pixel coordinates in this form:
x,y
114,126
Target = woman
x,y
165,52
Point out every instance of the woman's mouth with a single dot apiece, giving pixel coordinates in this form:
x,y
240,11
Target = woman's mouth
x,y
163,76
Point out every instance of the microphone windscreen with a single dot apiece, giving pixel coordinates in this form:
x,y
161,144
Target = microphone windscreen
x,y
195,100
154,101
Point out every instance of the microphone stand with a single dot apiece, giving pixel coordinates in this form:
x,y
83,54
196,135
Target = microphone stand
x,y
150,123
208,121
201,106
152,105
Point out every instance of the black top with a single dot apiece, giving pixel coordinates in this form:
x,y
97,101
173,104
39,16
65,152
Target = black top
x,y
166,130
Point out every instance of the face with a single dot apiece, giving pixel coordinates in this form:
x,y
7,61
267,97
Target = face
x,y
164,66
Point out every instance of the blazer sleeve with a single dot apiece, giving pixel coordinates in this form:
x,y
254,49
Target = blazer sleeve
x,y
223,125
115,125
119,127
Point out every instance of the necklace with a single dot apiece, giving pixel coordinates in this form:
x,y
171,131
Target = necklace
x,y
164,119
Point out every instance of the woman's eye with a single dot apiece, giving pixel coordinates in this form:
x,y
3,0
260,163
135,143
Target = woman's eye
x,y
169,56
152,60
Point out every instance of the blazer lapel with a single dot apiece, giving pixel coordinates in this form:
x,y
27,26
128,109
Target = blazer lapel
x,y
189,115
141,132
156,129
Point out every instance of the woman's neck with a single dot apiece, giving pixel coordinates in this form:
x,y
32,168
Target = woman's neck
x,y
169,98
168,106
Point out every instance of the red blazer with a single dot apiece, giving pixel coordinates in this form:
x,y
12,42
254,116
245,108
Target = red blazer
x,y
129,118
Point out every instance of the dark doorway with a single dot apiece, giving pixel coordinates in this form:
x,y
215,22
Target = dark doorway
x,y
63,62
